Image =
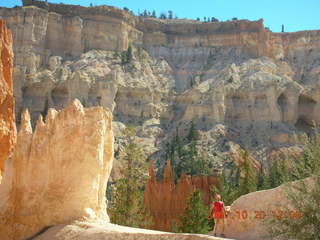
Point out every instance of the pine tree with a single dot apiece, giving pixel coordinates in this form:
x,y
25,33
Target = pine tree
x,y
304,196
194,219
248,178
193,133
262,180
229,190
126,205
154,15
129,54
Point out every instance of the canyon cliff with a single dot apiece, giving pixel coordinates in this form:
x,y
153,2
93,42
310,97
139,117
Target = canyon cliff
x,y
54,182
7,116
239,83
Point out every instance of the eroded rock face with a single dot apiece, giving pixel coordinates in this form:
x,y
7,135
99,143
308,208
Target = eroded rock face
x,y
7,116
260,87
166,201
58,173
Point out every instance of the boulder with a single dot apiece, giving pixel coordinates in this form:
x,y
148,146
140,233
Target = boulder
x,y
249,215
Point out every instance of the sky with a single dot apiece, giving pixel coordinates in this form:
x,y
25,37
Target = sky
x,y
295,15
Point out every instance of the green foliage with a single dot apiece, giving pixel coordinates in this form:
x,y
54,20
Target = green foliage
x,y
126,205
278,174
185,157
229,190
305,199
127,56
242,180
194,219
193,133
248,177
309,162
304,195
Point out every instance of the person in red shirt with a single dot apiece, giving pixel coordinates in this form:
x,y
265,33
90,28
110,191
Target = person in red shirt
x,y
217,211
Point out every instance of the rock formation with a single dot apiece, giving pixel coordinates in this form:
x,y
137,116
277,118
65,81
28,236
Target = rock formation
x,y
95,231
58,173
7,116
237,81
166,201
249,215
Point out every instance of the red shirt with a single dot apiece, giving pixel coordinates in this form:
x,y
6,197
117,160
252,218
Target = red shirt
x,y
218,206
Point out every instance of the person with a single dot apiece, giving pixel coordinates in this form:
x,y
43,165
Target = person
x,y
217,211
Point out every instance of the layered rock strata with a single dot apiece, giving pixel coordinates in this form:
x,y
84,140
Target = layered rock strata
x,y
166,201
260,88
7,116
58,172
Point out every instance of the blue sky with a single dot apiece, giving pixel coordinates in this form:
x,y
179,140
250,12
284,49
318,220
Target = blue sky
x,y
296,15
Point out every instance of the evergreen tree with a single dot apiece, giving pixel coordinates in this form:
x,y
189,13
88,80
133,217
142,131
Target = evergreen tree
x,y
262,180
170,14
229,188
126,205
123,58
193,132
163,16
185,157
303,195
304,222
129,54
194,219
145,13
248,178
154,15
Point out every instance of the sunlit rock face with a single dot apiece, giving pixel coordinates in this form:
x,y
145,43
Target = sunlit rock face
x,y
7,117
250,214
58,173
258,87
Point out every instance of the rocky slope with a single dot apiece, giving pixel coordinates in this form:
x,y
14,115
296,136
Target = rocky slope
x,y
7,117
240,83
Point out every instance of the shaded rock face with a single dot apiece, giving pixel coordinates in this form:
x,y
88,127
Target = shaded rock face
x,y
7,116
166,201
58,173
